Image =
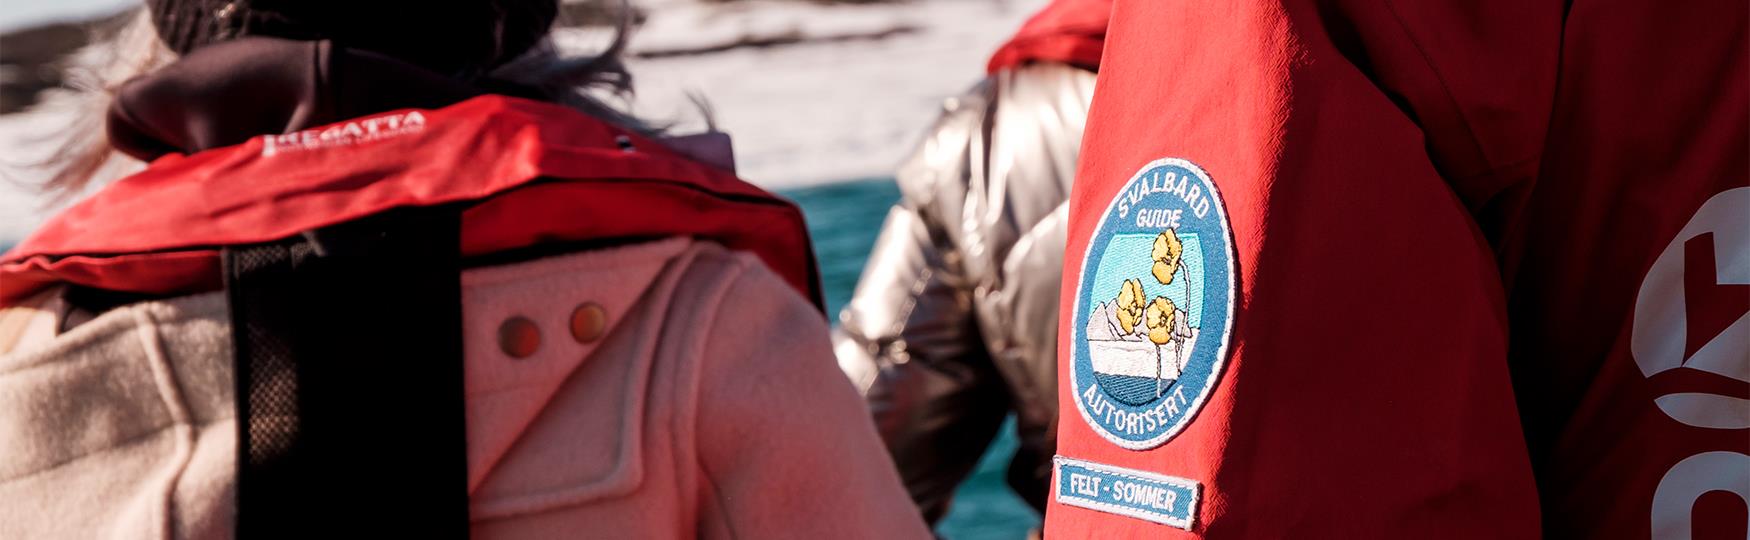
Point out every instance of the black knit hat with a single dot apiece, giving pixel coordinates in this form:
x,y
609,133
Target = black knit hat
x,y
450,36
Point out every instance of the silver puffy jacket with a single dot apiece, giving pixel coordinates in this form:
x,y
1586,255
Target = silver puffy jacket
x,y
954,322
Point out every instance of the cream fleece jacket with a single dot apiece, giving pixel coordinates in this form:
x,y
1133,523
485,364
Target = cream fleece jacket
x,y
710,407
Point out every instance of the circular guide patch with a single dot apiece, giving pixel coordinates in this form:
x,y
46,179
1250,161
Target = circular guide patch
x,y
1154,306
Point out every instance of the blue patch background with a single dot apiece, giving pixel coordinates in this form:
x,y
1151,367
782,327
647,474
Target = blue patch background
x,y
1107,499
1207,240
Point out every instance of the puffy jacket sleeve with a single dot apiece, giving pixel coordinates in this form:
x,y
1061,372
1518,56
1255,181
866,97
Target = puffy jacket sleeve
x,y
911,303
785,444
909,338
914,299
1367,392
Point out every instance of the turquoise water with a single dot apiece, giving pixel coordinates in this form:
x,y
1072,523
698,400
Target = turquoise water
x,y
844,219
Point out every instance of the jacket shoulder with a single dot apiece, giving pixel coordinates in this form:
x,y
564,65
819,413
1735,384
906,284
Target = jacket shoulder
x,y
938,163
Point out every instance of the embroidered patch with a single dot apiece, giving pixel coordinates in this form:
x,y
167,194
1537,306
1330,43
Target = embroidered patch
x,y
1154,306
1139,494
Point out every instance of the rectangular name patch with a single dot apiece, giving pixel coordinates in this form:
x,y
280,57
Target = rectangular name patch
x,y
1139,494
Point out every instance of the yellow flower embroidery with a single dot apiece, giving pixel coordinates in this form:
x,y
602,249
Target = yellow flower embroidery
x,y
1166,256
1130,305
1159,320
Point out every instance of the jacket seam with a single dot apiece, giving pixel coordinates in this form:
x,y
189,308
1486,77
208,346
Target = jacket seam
x,y
1446,90
98,334
118,445
164,377
706,476
1494,170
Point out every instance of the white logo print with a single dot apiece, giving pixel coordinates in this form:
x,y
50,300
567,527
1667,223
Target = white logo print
x,y
344,134
1661,330
1661,320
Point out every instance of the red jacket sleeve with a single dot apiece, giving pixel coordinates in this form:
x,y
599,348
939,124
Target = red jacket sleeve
x,y
1364,391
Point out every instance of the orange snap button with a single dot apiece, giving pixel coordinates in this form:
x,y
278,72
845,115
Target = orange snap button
x,y
588,322
519,337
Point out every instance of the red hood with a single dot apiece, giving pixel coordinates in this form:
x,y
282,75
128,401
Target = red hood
x,y
1068,31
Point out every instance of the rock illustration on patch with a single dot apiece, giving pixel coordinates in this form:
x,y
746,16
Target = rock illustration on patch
x,y
1135,340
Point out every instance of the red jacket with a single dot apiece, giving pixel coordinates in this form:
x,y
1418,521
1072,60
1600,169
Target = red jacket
x,y
391,135
1436,270
1066,31
156,232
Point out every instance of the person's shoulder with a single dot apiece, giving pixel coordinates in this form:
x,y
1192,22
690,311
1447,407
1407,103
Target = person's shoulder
x,y
939,161
738,285
1052,80
751,341
958,146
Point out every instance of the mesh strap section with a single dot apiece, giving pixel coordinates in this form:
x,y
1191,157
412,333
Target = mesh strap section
x,y
349,379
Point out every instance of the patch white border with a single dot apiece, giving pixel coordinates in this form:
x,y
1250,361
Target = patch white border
x,y
1190,520
1220,361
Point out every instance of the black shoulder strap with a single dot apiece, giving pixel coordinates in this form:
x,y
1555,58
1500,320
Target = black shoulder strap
x,y
349,380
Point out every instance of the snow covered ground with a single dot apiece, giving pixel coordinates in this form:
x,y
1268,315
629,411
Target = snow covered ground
x,y
840,91
24,13
25,138
822,111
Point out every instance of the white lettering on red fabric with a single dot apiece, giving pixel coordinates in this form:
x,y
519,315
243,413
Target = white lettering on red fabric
x,y
1660,342
344,134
